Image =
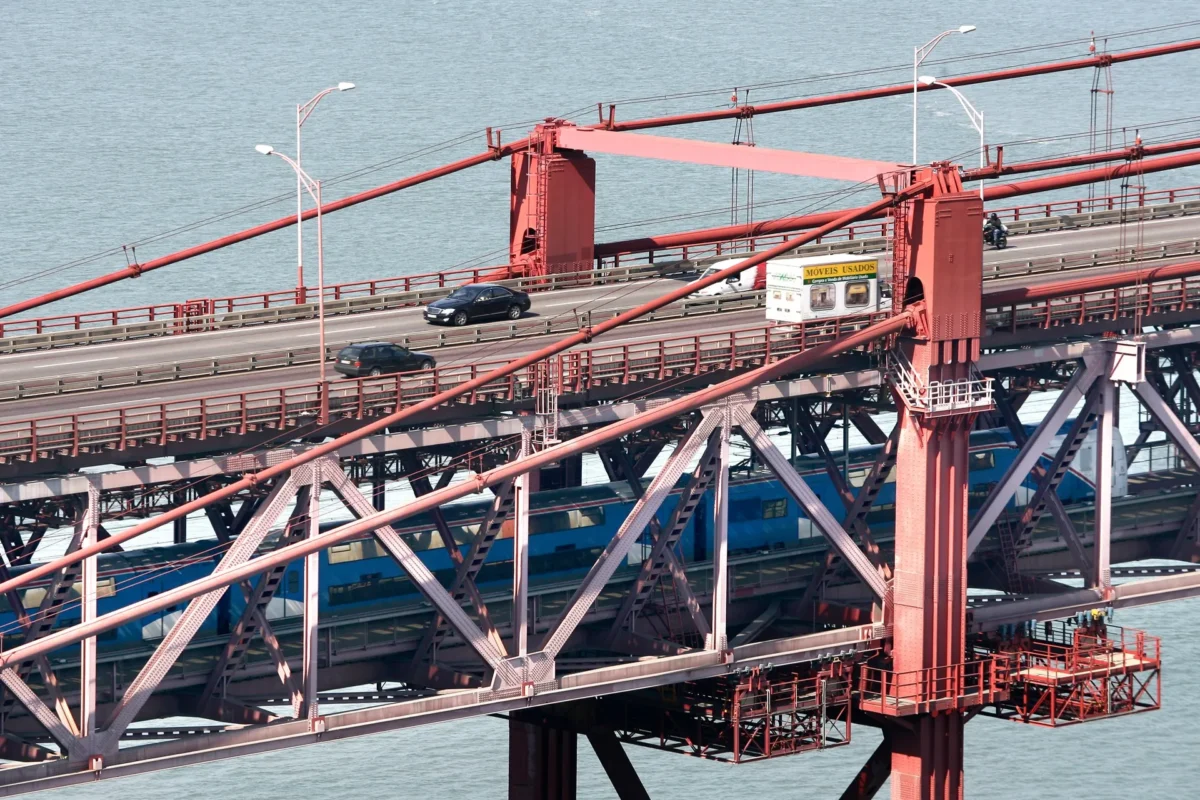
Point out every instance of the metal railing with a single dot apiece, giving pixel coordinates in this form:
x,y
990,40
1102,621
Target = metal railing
x,y
290,406
24,389
1153,298
672,358
186,316
956,686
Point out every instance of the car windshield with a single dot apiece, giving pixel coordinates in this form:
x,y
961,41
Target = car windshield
x,y
464,293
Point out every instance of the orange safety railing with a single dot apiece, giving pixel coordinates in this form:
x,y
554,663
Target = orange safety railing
x,y
956,686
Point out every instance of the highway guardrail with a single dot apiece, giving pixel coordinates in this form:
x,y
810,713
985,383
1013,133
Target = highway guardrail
x,y
456,337
373,295
675,358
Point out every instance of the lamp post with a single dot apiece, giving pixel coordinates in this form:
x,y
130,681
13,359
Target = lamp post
x,y
919,55
303,112
974,115
314,190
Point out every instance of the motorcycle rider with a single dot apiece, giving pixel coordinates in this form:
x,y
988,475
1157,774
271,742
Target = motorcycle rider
x,y
990,227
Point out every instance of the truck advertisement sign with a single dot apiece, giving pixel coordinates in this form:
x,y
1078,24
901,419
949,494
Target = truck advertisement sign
x,y
800,289
831,273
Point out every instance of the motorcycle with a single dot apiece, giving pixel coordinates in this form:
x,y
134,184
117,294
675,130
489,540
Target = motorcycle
x,y
997,237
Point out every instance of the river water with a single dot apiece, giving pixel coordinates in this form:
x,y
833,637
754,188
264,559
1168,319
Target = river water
x,y
135,122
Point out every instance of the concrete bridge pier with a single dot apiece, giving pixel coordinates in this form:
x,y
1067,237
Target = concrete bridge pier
x,y
543,755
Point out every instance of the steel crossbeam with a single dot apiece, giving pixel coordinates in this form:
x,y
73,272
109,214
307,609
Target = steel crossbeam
x,y
1066,527
1020,467
254,622
662,558
43,620
813,508
1184,546
425,581
189,622
1081,428
855,519
49,720
421,485
620,545
718,639
493,523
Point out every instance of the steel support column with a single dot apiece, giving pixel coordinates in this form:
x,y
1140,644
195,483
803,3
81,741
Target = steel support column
x,y
520,607
719,639
87,652
311,639
1100,576
541,759
929,600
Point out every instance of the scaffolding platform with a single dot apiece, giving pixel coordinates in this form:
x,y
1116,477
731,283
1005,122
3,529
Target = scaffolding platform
x,y
1067,674
756,716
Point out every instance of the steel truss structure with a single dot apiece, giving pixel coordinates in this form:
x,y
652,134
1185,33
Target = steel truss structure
x,y
750,679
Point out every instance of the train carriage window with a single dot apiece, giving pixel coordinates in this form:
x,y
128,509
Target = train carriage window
x,y
33,597
566,520
822,297
858,477
858,294
982,460
775,509
356,551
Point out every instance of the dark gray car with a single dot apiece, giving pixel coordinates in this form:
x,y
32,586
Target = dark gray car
x,y
376,358
478,301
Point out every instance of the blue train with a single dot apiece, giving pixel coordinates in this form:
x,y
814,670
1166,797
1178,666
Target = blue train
x,y
569,528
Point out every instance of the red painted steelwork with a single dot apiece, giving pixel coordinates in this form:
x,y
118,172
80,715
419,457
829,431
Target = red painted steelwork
x,y
719,154
583,336
453,277
658,122
742,112
1098,283
290,406
929,603
552,210
137,270
992,193
588,441
1081,160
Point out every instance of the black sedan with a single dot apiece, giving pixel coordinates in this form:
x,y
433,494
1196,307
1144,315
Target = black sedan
x,y
477,301
376,358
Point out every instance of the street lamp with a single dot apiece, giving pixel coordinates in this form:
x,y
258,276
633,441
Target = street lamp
x,y
920,54
975,116
302,113
314,190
